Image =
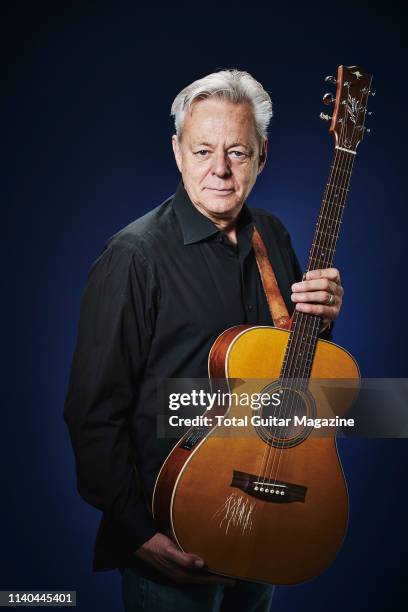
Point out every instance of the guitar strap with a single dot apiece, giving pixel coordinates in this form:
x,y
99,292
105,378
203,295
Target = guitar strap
x,y
277,306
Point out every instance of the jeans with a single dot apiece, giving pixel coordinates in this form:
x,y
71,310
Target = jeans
x,y
140,594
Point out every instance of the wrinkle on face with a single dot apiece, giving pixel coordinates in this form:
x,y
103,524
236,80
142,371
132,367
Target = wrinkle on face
x,y
219,156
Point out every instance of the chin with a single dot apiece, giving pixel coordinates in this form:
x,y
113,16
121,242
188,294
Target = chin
x,y
222,204
221,207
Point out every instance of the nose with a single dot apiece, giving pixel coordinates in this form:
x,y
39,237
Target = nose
x,y
221,166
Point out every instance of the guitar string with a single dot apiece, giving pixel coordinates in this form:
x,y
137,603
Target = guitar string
x,y
331,203
304,329
302,378
309,324
288,363
282,407
308,327
344,165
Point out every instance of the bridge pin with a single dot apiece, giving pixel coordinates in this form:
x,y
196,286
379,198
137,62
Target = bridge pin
x,y
256,488
261,489
282,492
266,490
272,490
277,492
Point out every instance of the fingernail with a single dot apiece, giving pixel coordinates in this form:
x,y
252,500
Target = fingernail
x,y
199,563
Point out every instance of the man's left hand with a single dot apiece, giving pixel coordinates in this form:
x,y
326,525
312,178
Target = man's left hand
x,y
320,293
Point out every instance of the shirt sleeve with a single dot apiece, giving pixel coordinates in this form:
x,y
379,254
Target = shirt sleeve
x,y
115,330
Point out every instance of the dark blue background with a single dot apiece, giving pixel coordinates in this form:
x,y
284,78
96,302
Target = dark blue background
x,y
87,131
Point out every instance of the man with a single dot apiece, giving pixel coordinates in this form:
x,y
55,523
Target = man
x,y
158,296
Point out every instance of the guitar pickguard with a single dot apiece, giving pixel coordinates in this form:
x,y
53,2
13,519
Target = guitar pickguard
x,y
236,512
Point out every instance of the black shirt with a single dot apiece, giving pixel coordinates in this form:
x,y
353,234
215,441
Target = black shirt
x,y
161,292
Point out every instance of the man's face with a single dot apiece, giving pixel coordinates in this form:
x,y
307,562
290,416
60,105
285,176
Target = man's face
x,y
219,156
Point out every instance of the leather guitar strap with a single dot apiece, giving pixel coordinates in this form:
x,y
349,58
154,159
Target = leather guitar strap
x,y
277,306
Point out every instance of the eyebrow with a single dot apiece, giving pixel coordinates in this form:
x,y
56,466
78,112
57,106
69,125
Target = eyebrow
x,y
239,144
204,144
234,144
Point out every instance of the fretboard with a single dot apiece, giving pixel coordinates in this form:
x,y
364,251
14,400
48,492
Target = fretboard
x,y
305,327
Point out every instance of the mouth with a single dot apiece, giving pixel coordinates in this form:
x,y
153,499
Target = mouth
x,y
221,191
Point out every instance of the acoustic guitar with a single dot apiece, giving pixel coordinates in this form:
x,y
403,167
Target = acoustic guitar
x,y
267,501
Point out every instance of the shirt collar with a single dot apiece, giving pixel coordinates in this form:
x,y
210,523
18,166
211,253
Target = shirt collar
x,y
194,225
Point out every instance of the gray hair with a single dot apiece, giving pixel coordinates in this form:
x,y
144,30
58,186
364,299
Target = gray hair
x,y
233,85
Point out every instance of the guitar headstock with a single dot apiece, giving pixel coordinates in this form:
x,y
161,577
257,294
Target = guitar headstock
x,y
350,106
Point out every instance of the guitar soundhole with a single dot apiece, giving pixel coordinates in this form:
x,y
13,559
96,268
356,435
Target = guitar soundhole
x,y
284,425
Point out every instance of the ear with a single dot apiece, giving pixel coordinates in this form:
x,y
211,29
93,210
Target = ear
x,y
177,153
263,155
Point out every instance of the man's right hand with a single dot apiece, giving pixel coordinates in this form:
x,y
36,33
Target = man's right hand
x,y
181,567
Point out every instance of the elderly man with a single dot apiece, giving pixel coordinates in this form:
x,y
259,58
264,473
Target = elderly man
x,y
161,292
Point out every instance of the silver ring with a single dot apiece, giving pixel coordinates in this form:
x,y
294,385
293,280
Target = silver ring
x,y
331,300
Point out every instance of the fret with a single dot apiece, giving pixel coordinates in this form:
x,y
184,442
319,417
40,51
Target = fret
x,y
345,189
336,169
316,259
321,246
326,233
305,327
305,336
333,204
318,263
332,219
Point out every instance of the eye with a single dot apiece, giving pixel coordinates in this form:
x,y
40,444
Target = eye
x,y
238,154
202,153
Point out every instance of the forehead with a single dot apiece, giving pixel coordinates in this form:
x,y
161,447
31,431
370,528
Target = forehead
x,y
214,118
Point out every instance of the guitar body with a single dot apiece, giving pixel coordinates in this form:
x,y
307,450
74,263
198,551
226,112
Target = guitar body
x,y
205,496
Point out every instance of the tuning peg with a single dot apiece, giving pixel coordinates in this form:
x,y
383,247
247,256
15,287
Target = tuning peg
x,y
324,117
328,99
370,113
371,93
330,79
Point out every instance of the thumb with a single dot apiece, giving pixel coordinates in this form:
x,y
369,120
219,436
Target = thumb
x,y
183,559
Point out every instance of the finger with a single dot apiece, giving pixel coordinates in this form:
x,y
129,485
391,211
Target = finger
x,y
330,273
322,297
174,569
328,312
187,560
324,325
322,284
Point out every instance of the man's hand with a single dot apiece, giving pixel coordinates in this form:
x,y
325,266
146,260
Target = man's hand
x,y
320,294
165,556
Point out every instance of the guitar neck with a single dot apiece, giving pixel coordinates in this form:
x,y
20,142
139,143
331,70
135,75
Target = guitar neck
x,y
331,212
305,327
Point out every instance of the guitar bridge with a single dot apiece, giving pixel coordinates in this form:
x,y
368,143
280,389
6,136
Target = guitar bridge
x,y
268,489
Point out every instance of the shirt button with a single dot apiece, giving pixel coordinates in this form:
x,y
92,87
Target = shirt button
x,y
250,307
